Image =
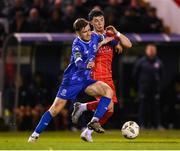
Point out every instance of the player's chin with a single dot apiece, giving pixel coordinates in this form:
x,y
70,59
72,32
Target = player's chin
x,y
88,39
101,28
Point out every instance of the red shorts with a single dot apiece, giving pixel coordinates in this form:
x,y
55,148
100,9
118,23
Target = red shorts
x,y
111,84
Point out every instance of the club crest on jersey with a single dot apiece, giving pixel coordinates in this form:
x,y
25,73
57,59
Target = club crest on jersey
x,y
156,65
63,92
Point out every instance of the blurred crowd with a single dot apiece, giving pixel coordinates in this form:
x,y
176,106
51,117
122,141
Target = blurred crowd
x,y
35,95
157,107
58,15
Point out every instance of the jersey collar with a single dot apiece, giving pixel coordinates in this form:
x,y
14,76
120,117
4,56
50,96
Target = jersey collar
x,y
83,40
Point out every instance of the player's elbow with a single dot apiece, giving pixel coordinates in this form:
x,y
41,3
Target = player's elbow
x,y
128,44
80,64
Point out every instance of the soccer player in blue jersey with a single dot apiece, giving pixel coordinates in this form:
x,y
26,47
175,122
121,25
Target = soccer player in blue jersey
x,y
102,70
77,78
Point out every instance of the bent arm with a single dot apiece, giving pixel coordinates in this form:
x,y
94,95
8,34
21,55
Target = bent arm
x,y
80,63
77,55
125,42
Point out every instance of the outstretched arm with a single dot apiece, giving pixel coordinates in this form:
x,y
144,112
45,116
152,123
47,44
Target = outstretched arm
x,y
105,41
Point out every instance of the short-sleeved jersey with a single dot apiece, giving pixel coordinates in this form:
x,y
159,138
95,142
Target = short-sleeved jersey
x,y
103,61
85,51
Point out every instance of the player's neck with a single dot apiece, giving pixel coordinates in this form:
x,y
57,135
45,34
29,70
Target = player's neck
x,y
99,32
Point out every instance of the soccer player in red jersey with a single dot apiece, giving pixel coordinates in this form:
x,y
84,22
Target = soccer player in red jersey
x,y
102,70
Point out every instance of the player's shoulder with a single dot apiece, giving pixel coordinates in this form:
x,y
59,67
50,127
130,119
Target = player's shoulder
x,y
96,35
77,42
78,45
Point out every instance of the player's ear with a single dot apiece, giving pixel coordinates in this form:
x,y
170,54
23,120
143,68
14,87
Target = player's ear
x,y
77,33
91,25
90,22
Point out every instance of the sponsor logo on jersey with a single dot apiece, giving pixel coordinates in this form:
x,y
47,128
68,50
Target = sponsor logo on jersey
x,y
105,49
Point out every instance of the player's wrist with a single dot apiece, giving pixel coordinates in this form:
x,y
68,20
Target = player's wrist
x,y
118,34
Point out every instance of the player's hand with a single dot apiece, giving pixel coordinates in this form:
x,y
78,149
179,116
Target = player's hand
x,y
118,49
110,33
112,28
90,65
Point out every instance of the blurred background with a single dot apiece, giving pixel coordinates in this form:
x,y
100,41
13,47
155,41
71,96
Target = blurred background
x,y
31,65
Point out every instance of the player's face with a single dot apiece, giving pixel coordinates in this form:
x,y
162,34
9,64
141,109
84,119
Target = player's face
x,y
98,23
85,33
151,51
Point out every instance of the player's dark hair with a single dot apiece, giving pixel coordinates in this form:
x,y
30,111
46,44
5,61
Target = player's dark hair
x,y
95,13
79,24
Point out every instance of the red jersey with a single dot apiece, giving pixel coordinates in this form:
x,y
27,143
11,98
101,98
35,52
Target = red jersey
x,y
102,70
103,61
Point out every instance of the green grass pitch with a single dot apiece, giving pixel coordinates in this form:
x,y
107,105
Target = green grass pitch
x,y
111,140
